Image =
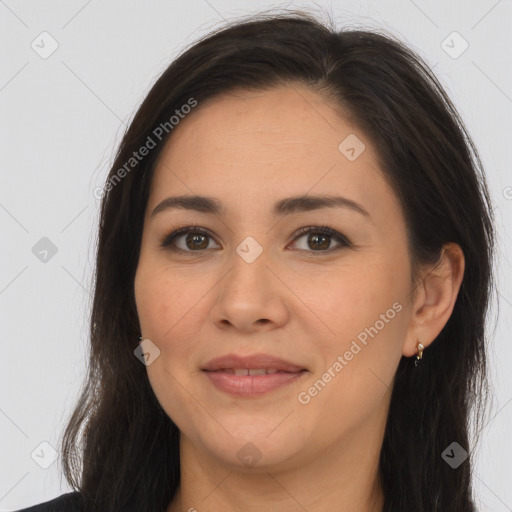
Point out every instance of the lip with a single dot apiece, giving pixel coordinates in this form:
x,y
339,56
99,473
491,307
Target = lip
x,y
251,362
251,386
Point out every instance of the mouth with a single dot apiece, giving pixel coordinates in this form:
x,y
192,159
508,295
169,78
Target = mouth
x,y
242,384
257,364
252,376
250,371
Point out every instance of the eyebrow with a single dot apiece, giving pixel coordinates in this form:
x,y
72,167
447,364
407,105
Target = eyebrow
x,y
287,206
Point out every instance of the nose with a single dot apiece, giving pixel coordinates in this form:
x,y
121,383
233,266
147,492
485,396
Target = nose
x,y
251,297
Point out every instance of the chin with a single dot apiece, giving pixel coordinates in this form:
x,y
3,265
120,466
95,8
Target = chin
x,y
255,450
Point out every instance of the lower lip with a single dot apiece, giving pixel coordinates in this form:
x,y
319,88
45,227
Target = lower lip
x,y
250,386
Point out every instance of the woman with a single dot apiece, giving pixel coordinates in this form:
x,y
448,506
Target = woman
x,y
293,273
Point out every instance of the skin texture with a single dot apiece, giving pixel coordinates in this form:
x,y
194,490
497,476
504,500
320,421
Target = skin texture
x,y
295,301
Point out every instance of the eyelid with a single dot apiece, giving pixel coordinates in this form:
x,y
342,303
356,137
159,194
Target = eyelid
x,y
343,241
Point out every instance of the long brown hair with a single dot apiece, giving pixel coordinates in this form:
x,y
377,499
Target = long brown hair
x,y
120,449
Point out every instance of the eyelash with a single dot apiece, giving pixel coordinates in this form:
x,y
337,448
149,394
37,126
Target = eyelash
x,y
324,230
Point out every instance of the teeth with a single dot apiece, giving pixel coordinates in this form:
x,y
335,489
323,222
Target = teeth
x,y
257,372
245,371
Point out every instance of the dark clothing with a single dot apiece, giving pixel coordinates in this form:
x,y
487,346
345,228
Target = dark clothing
x,y
70,502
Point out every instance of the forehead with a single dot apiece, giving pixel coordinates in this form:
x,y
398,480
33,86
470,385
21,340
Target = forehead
x,y
283,121
282,141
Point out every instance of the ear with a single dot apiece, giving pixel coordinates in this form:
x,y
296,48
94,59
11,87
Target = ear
x,y
435,298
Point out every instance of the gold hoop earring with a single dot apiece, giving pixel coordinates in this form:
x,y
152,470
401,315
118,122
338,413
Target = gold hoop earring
x,y
419,355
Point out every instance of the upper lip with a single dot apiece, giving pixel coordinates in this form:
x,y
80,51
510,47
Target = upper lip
x,y
256,361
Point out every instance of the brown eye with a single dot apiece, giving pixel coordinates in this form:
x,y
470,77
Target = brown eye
x,y
194,240
320,237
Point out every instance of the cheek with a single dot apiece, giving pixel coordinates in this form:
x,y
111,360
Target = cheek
x,y
167,313
353,380
161,301
363,319
349,298
172,307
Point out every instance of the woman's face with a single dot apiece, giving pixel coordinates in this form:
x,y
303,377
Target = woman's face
x,y
339,309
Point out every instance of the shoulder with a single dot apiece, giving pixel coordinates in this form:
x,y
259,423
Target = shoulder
x,y
70,502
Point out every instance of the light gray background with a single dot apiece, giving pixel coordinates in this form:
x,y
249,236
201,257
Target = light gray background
x,y
60,120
